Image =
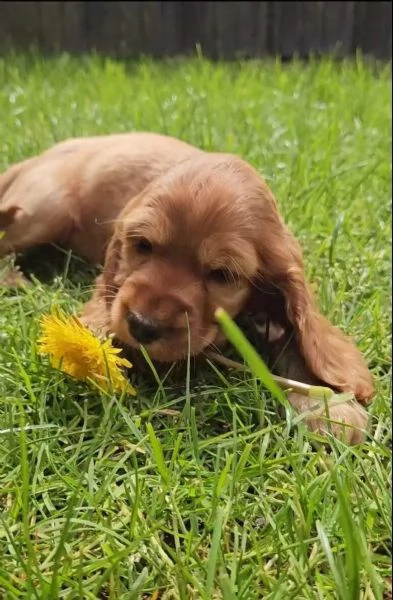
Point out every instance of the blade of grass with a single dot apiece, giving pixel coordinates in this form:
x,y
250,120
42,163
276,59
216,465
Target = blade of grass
x,y
158,454
250,355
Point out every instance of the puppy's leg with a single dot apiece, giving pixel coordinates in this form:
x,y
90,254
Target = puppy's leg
x,y
346,420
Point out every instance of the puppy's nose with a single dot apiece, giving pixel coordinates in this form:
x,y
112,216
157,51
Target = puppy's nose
x,y
144,330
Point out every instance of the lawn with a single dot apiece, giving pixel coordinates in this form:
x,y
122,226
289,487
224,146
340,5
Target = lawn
x,y
201,490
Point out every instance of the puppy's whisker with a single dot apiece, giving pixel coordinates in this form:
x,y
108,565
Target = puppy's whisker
x,y
108,296
237,269
101,288
205,340
109,221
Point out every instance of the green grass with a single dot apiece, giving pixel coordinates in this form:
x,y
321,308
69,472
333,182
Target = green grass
x,y
200,490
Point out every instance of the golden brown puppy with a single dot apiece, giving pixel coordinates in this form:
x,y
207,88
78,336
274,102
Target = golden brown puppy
x,y
207,233
188,231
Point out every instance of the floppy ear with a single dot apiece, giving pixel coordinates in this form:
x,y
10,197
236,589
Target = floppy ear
x,y
329,354
9,215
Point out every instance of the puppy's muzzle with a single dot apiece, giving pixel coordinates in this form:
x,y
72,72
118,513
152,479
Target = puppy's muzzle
x,y
145,331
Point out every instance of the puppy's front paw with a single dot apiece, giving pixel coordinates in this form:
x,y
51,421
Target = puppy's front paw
x,y
346,420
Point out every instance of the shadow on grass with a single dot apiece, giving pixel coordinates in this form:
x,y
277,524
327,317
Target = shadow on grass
x,y
46,262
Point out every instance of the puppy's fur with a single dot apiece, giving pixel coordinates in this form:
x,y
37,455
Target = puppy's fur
x,y
181,232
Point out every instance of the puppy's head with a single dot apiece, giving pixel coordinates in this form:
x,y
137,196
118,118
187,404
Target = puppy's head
x,y
207,234
182,248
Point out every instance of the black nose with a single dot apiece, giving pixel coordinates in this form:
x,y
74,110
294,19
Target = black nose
x,y
144,330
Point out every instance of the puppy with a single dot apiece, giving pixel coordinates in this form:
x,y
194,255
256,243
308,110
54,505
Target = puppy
x,y
183,232
207,233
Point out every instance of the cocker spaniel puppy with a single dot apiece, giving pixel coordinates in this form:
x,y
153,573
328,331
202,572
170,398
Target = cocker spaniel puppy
x,y
207,233
188,231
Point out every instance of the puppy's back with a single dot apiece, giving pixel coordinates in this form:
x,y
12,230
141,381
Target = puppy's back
x,y
72,193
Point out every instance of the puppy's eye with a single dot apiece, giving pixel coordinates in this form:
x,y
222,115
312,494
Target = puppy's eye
x,y
221,276
143,246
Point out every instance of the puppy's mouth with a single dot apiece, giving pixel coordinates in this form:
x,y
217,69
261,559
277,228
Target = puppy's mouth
x,y
167,343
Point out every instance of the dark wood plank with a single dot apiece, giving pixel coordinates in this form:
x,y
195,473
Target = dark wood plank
x,y
189,27
260,39
74,27
202,28
161,26
225,30
337,28
104,27
284,28
22,24
171,15
5,33
373,28
51,17
132,37
241,29
310,27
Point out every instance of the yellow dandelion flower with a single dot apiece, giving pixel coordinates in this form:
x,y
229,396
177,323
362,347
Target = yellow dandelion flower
x,y
76,351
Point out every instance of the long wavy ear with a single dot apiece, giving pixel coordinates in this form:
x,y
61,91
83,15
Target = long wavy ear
x,y
285,295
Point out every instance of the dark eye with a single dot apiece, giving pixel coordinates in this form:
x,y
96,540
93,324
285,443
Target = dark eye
x,y
221,276
143,246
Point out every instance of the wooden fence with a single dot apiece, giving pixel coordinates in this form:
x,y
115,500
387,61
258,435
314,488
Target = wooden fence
x,y
221,29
